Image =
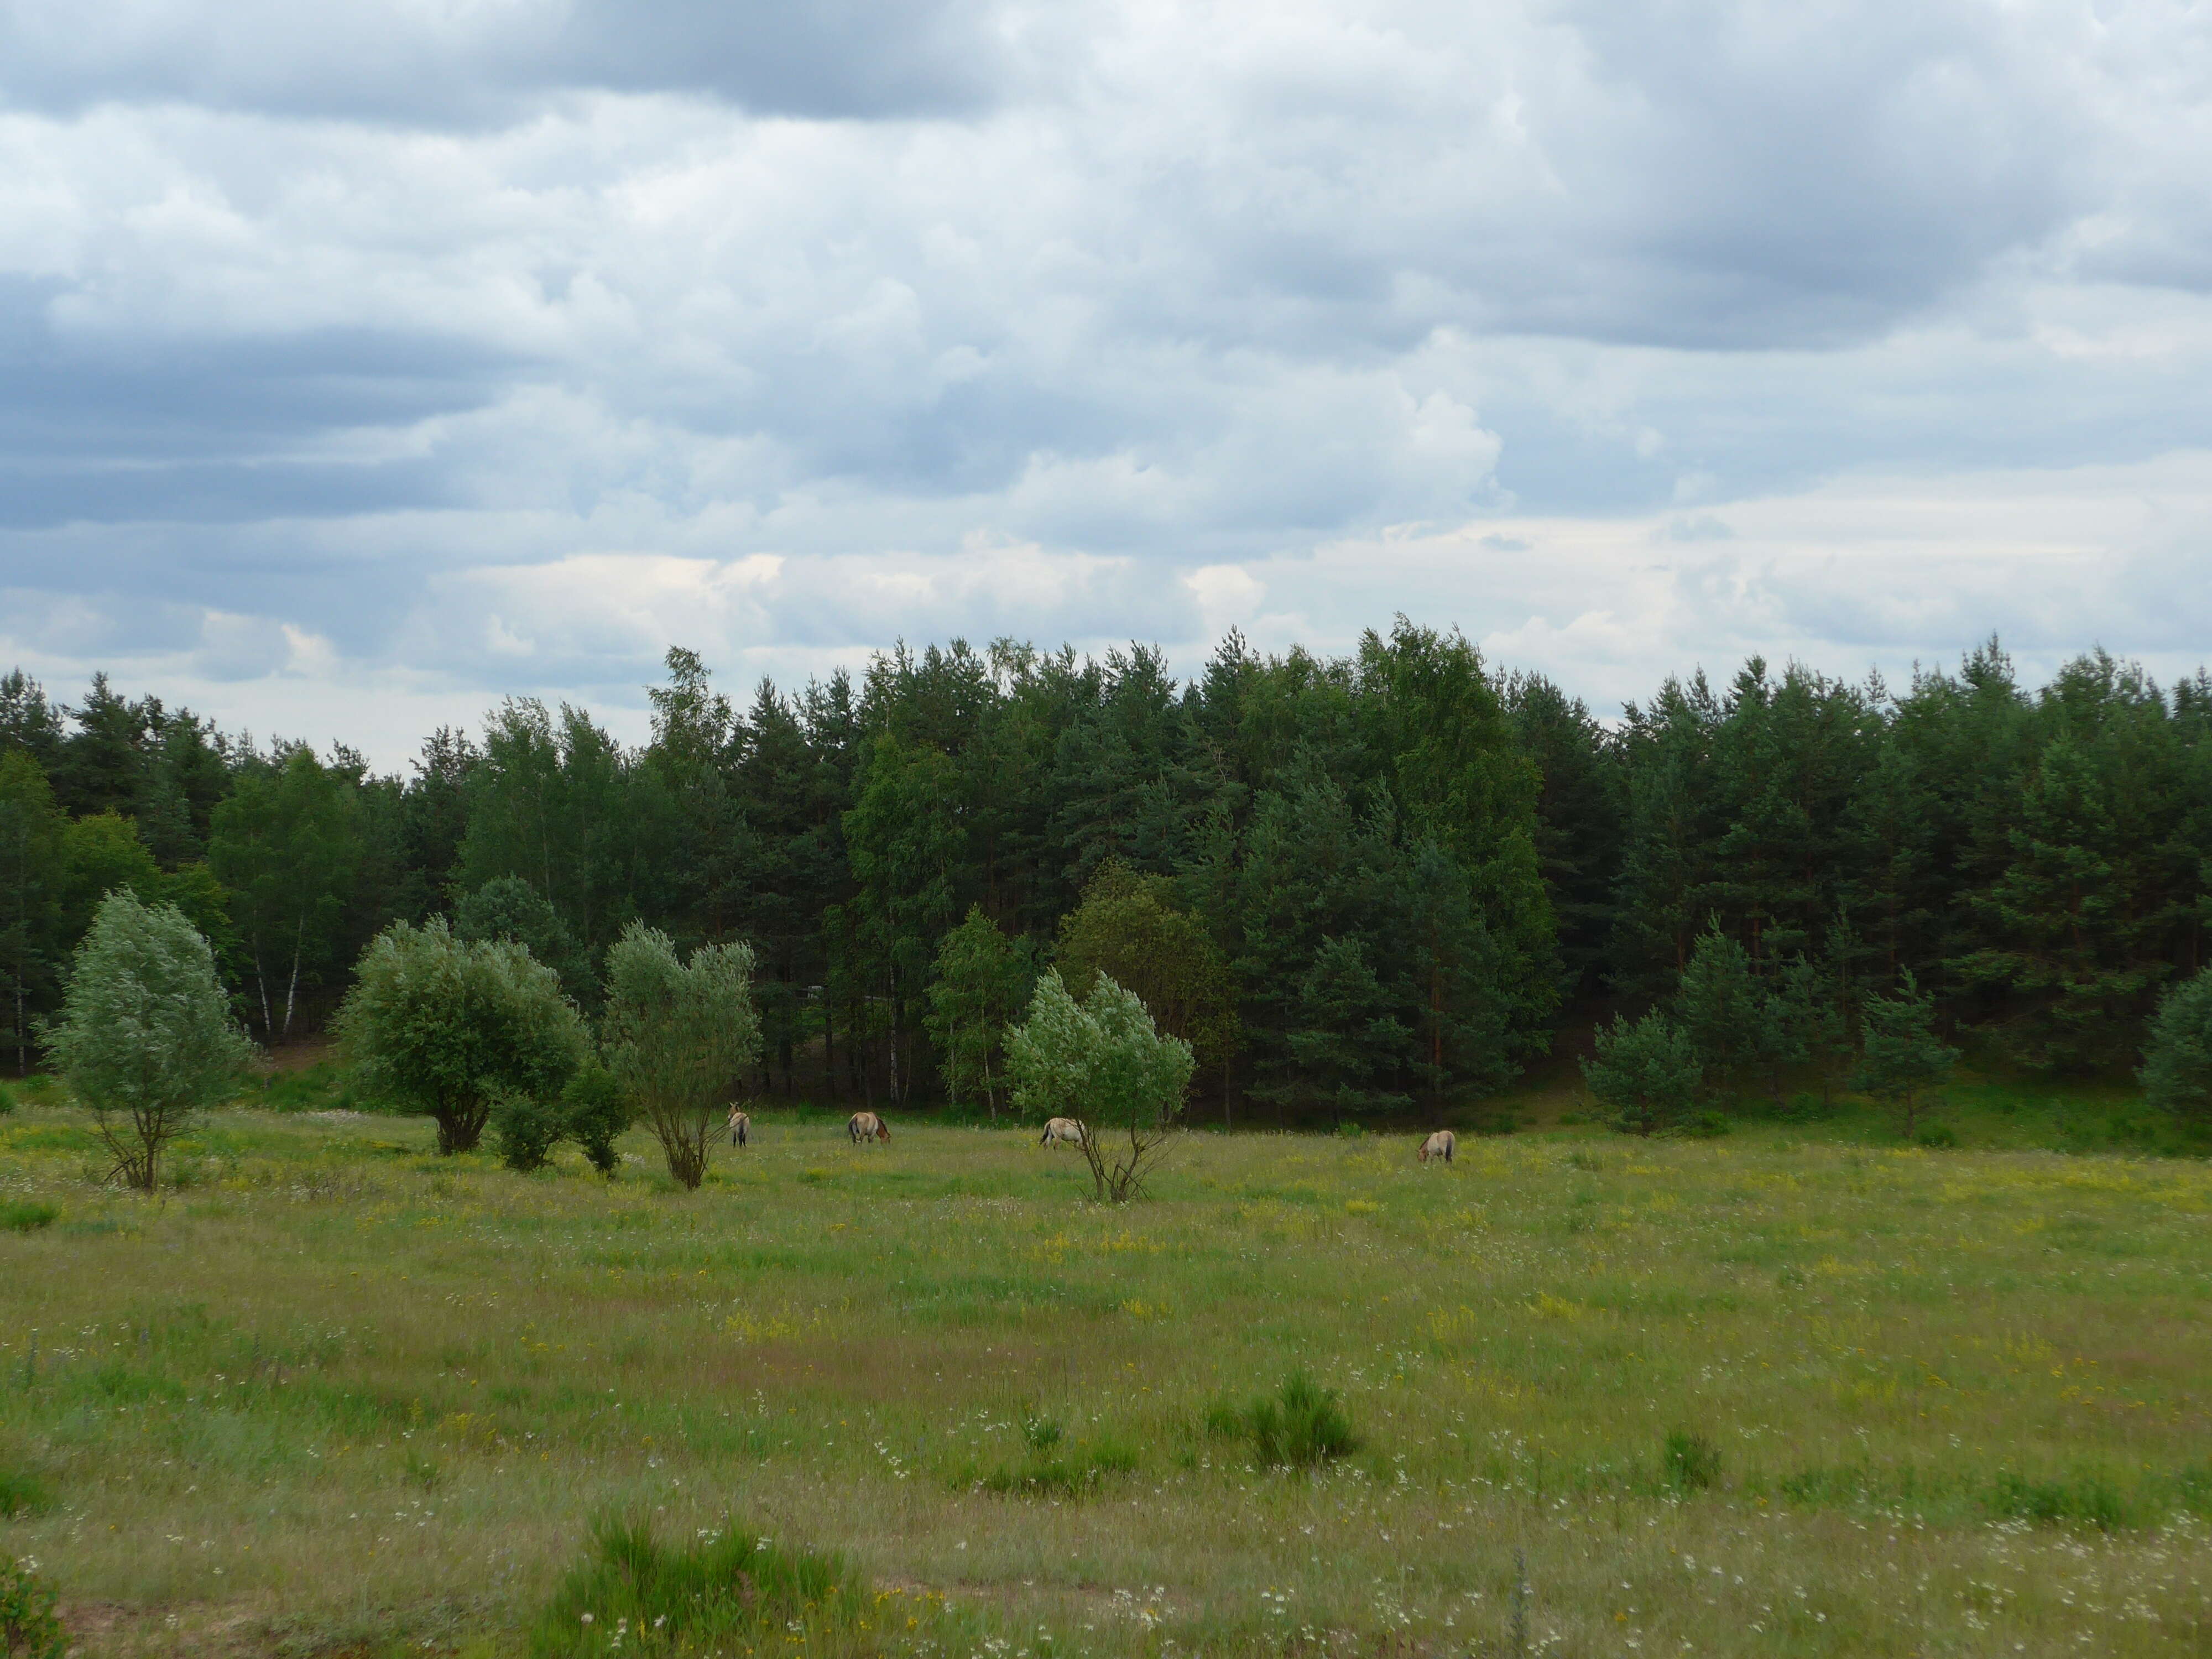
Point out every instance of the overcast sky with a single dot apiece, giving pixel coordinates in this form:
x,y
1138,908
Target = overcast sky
x,y
363,361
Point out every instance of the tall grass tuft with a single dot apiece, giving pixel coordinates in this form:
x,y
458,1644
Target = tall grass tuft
x,y
22,1216
22,1494
1693,1462
636,1595
1301,1426
2088,1501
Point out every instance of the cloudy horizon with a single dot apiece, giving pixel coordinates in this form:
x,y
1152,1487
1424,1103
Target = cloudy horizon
x,y
369,364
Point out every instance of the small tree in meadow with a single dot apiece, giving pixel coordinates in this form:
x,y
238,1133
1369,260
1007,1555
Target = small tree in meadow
x,y
1903,1057
2177,1069
449,1027
146,1038
1102,1063
1647,1072
678,1034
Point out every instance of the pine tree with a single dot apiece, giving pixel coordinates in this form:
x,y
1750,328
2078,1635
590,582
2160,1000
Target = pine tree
x,y
1647,1072
1903,1057
33,872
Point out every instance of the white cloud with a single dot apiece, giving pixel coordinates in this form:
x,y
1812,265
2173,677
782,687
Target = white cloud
x,y
480,355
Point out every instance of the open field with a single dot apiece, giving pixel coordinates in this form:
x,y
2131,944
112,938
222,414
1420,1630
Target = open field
x,y
335,1393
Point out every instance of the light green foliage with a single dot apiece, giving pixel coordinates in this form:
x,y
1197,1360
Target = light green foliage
x,y
1903,1058
678,1036
2176,1069
444,1026
29,1628
1104,1063
983,979
1129,929
1647,1072
145,1036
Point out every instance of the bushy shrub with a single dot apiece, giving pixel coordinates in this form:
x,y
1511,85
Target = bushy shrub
x,y
7,1100
527,1127
29,1628
679,1033
597,1113
733,1591
23,1215
1302,1424
445,1027
146,1038
1693,1461
1936,1136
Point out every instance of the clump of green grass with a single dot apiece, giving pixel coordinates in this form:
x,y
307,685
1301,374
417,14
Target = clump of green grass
x,y
22,1493
29,1628
1936,1136
23,1215
1302,1425
2085,1501
1056,1466
1693,1461
736,1588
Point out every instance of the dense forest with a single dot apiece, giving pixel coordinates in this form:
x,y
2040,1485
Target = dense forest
x,y
1354,885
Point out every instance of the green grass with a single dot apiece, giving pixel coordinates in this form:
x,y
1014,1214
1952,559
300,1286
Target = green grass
x,y
1786,1391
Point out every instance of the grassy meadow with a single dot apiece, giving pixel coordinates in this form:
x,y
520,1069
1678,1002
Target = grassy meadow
x,y
1779,1393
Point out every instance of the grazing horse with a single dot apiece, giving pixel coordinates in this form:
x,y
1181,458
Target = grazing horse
x,y
1439,1145
867,1126
741,1128
1057,1129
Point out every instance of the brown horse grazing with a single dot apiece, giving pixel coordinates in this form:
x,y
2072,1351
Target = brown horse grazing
x,y
1439,1145
741,1128
1058,1129
867,1126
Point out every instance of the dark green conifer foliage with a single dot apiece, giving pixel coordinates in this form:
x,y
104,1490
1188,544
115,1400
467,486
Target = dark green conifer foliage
x,y
33,872
1347,1044
29,720
2177,1068
1903,1058
101,765
1720,1005
1580,800
1646,1071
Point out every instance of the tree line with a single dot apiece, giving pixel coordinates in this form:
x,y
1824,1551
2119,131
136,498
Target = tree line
x,y
1351,885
